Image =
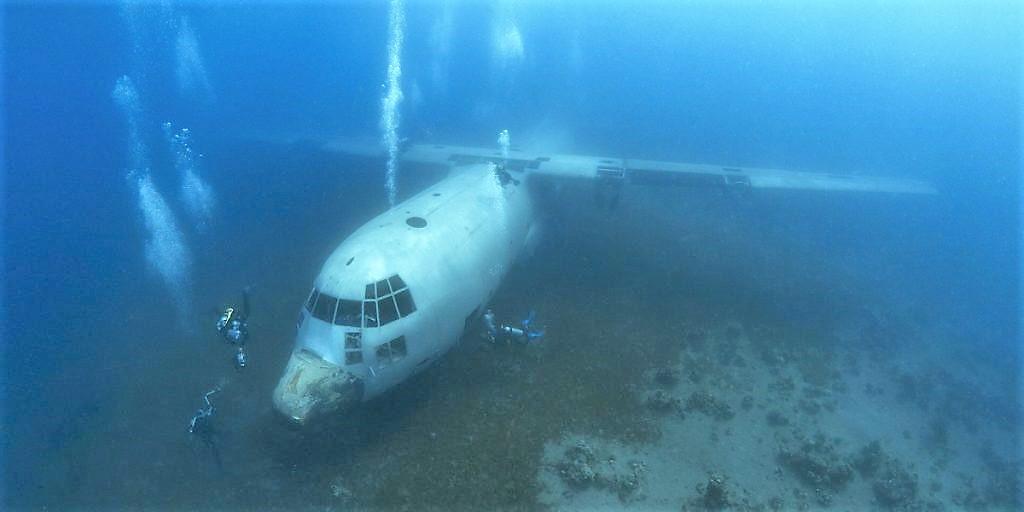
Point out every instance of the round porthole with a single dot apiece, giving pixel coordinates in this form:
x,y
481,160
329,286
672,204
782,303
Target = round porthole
x,y
416,222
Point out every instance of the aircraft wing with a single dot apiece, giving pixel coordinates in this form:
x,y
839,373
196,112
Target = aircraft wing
x,y
639,172
652,172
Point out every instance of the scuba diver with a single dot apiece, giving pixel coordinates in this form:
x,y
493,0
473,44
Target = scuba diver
x,y
241,359
494,331
233,325
201,425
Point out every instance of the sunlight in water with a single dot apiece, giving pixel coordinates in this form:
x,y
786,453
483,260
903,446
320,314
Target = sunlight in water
x,y
506,39
390,116
440,48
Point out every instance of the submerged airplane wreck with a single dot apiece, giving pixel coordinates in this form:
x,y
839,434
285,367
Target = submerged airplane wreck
x,y
400,291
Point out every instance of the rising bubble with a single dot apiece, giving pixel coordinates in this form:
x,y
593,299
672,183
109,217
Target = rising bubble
x,y
390,116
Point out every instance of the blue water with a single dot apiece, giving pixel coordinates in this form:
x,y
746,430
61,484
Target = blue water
x,y
927,91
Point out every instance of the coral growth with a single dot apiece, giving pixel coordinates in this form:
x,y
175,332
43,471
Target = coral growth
x,y
817,464
582,468
706,403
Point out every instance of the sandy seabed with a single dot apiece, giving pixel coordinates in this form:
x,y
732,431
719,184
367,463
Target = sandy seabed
x,y
706,357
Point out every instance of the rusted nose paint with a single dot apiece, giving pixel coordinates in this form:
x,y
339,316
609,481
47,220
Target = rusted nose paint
x,y
312,386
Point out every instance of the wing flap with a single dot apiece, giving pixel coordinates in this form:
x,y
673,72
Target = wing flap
x,y
655,172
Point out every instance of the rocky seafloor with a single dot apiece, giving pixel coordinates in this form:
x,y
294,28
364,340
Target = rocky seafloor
x,y
705,357
749,421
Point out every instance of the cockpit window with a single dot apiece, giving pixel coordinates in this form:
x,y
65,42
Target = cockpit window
x,y
398,348
382,288
324,309
405,304
388,311
370,313
396,282
337,311
349,313
393,300
353,347
385,301
391,351
311,301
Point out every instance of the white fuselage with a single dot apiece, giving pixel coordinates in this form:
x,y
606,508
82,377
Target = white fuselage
x,y
449,246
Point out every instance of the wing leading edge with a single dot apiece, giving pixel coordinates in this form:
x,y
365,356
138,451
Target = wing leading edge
x,y
652,172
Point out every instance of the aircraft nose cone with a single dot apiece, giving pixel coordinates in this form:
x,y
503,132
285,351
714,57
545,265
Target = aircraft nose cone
x,y
312,386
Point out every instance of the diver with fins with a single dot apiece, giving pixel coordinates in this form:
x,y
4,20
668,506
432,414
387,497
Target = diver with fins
x,y
525,333
233,326
201,425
